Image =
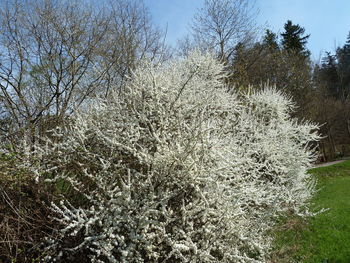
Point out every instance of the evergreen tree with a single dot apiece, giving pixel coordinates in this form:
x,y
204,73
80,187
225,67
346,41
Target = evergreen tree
x,y
328,74
343,57
270,40
293,39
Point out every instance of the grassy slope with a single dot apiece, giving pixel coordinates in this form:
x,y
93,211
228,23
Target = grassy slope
x,y
326,237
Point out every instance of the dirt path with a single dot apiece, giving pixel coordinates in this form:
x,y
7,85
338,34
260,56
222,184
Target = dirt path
x,y
327,164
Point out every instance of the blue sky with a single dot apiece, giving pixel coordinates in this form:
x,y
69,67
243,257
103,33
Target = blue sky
x,y
328,21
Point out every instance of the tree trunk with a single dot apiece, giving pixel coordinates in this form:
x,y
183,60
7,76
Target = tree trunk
x,y
323,152
333,149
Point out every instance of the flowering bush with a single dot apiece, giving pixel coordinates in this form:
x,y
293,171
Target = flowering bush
x,y
174,168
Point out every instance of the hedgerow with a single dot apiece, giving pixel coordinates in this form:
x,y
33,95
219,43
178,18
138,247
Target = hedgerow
x,y
176,167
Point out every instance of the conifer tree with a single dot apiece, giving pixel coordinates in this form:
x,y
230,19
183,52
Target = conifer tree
x,y
270,40
293,39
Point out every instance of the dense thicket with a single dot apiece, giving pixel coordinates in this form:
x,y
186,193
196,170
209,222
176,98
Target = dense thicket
x,y
176,168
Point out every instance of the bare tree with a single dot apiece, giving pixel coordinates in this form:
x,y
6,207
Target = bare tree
x,y
56,54
131,37
221,24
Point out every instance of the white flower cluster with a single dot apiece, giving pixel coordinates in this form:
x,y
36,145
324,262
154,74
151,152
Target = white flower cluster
x,y
174,168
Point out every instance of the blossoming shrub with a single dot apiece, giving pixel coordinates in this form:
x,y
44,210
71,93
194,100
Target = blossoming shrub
x,y
174,168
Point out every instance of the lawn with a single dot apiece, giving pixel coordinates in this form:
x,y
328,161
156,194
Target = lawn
x,y
324,238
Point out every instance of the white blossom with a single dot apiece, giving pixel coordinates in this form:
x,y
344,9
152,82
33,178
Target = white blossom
x,y
174,168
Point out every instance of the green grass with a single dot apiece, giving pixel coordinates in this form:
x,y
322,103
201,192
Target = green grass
x,y
324,238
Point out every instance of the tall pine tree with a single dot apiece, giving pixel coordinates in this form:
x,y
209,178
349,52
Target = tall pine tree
x,y
293,39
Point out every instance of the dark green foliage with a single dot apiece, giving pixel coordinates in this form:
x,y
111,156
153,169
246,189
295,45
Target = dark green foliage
x,y
334,72
270,40
343,69
293,39
328,74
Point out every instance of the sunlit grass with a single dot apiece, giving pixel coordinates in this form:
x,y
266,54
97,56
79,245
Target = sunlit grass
x,y
325,237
